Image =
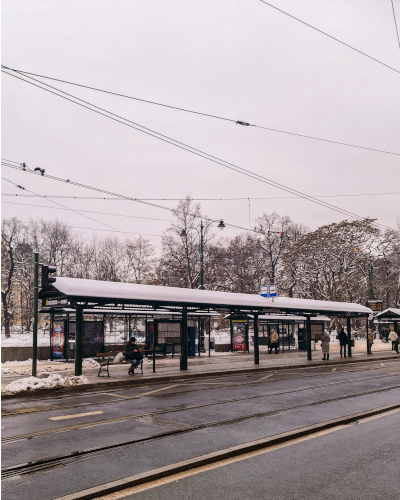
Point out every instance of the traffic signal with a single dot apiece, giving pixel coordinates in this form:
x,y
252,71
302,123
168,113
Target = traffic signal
x,y
46,270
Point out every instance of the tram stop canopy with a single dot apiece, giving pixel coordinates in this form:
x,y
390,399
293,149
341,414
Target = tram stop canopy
x,y
81,295
390,315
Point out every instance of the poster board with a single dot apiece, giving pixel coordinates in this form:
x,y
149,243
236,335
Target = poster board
x,y
239,335
58,339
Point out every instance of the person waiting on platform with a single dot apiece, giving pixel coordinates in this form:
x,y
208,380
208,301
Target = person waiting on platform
x,y
133,354
325,339
343,342
395,341
273,341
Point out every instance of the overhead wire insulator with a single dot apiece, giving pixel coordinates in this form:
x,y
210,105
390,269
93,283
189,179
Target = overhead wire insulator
x,y
243,123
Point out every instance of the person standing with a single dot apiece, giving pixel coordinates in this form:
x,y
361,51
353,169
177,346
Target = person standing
x,y
343,342
273,341
370,340
395,341
325,339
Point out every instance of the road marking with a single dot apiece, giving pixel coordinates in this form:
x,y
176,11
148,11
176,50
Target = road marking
x,y
333,369
263,378
382,364
144,393
117,395
198,470
63,417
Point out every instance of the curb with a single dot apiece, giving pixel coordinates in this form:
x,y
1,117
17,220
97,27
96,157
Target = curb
x,y
218,456
182,377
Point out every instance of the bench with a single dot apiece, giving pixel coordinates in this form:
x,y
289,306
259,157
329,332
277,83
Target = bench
x,y
104,359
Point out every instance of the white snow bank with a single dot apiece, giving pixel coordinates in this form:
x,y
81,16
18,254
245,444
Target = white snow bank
x,y
25,340
52,381
90,363
118,358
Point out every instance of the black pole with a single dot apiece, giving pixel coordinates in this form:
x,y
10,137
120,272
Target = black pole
x,y
256,345
35,311
78,341
209,336
308,326
184,349
201,287
155,327
349,337
368,344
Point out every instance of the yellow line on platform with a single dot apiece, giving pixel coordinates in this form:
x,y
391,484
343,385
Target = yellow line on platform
x,y
63,417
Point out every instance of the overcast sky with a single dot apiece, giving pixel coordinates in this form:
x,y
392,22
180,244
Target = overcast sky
x,y
239,59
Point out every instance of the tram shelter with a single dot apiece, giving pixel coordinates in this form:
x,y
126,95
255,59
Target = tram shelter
x,y
81,295
390,315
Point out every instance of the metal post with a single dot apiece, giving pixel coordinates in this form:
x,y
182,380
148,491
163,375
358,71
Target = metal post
x,y
201,287
209,336
35,311
368,344
349,337
155,327
199,326
256,346
308,326
78,341
184,353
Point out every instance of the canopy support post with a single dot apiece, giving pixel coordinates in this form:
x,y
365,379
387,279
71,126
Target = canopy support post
x,y
308,323
184,348
368,344
349,337
78,341
256,345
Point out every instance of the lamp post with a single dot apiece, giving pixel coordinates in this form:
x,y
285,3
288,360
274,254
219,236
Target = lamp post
x,y
203,230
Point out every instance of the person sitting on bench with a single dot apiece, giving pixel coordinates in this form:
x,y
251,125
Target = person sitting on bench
x,y
133,354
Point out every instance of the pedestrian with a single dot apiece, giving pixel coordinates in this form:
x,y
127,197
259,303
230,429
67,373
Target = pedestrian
x,y
395,341
343,342
382,334
133,355
273,341
325,339
370,340
387,335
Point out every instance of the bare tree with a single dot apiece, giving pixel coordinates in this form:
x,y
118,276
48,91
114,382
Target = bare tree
x,y
140,258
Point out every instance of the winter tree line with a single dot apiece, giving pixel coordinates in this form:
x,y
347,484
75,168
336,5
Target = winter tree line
x,y
344,261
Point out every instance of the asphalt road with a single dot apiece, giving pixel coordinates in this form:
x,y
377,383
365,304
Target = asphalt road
x,y
124,432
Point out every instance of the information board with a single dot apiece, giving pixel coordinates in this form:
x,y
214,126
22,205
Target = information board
x,y
239,335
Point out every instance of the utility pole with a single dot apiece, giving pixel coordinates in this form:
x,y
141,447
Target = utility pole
x,y
35,311
201,287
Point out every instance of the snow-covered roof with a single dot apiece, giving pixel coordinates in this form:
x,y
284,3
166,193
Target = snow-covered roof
x,y
291,317
134,312
140,294
389,313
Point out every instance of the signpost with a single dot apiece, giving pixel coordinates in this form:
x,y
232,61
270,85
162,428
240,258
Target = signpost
x,y
269,291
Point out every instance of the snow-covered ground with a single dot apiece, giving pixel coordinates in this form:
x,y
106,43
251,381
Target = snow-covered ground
x,y
43,381
25,340
13,368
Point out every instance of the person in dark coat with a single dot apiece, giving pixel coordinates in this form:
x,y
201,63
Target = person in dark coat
x,y
343,342
133,354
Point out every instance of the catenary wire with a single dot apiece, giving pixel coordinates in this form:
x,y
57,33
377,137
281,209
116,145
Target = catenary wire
x,y
205,114
330,36
195,151
66,208
122,197
395,23
85,211
201,199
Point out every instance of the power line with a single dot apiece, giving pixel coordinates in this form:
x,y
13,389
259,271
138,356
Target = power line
x,y
395,23
85,211
66,208
205,114
193,150
200,199
122,197
330,36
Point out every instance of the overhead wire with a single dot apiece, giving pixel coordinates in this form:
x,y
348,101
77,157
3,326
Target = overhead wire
x,y
203,199
66,208
395,23
330,36
205,114
191,149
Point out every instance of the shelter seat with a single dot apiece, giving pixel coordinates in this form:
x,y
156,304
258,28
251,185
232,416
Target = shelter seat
x,y
107,358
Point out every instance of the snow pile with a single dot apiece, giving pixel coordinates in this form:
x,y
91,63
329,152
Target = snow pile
x,y
24,340
52,381
90,363
15,371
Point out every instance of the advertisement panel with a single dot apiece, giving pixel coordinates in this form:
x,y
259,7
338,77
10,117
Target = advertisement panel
x,y
58,340
239,335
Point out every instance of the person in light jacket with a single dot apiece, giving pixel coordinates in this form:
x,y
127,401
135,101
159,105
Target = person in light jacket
x,y
395,341
273,341
325,339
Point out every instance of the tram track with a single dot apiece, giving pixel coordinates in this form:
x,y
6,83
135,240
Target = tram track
x,y
180,408
64,460
53,407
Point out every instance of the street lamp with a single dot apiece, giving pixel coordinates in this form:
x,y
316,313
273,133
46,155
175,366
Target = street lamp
x,y
221,226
